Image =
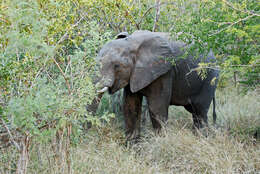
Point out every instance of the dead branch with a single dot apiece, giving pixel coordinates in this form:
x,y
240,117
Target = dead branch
x,y
11,136
23,160
157,15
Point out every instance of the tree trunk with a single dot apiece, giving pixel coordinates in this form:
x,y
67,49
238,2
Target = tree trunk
x,y
157,14
24,156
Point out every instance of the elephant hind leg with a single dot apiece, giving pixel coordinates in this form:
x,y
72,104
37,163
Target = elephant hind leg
x,y
189,108
199,115
199,120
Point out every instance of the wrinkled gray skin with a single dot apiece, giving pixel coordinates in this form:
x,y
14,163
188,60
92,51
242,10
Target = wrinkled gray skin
x,y
140,63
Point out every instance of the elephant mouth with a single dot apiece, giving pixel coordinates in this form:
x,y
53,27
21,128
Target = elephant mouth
x,y
118,84
111,90
114,88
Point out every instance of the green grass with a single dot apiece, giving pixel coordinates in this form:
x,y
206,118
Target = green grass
x,y
228,149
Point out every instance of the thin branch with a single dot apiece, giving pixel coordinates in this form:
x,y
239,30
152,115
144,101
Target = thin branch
x,y
36,76
11,136
255,65
49,76
232,24
217,68
109,23
148,10
64,37
64,76
198,68
243,11
4,20
157,15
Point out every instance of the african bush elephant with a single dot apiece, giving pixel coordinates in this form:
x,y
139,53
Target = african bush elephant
x,y
149,64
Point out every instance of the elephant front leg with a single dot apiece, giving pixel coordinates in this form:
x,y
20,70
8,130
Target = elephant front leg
x,y
132,114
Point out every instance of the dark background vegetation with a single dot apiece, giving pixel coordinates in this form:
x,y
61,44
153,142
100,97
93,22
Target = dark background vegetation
x,y
47,61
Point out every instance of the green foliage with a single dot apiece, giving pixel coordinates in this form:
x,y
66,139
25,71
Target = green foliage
x,y
46,66
53,43
47,51
229,28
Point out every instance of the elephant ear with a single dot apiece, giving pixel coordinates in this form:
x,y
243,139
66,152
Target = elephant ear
x,y
151,59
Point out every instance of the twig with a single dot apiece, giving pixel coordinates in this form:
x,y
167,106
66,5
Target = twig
x,y
198,68
64,76
157,15
11,136
244,65
232,24
36,76
4,20
243,11
49,76
109,23
148,10
74,25
61,40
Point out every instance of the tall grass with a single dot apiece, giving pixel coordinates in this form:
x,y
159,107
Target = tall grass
x,y
231,148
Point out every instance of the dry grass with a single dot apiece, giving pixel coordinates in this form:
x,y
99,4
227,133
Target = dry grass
x,y
229,149
178,151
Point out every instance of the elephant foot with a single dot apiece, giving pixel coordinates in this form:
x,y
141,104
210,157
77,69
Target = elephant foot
x,y
133,137
132,142
161,132
202,131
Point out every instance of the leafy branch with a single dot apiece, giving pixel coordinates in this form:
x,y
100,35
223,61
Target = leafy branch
x,y
230,24
63,38
233,23
157,5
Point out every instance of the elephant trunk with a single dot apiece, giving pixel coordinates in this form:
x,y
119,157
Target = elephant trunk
x,y
105,83
92,108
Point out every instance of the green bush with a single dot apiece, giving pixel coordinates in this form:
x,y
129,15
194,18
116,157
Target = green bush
x,y
48,50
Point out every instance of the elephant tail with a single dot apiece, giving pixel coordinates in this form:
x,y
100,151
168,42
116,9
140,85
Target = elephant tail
x,y
214,111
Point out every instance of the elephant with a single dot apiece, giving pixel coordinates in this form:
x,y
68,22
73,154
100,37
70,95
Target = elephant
x,y
150,64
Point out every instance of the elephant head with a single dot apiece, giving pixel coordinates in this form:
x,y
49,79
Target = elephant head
x,y
135,60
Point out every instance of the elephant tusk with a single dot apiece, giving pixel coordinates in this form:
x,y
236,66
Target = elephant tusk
x,y
102,90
